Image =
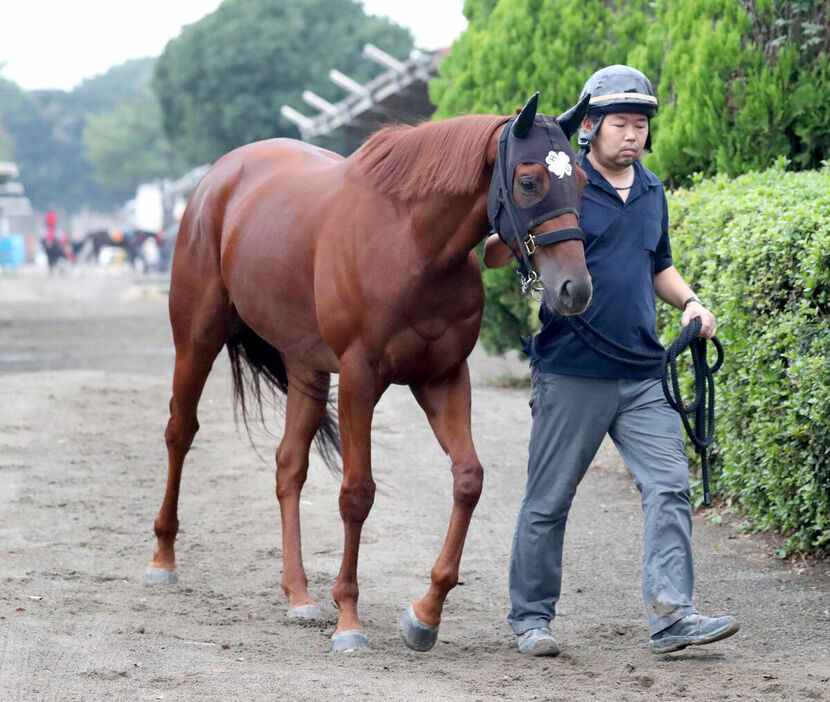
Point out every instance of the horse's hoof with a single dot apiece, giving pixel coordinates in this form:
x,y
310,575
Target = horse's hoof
x,y
304,612
415,634
161,576
354,640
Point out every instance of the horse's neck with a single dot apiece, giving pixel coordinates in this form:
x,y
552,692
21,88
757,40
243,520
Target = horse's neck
x,y
442,170
448,227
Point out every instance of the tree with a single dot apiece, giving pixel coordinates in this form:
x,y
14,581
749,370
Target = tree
x,y
46,131
127,146
512,48
46,128
5,145
222,82
124,82
10,94
742,84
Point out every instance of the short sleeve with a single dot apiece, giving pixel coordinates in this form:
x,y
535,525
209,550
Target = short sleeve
x,y
662,254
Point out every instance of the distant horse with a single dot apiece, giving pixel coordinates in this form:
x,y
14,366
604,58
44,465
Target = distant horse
x,y
130,240
78,248
305,264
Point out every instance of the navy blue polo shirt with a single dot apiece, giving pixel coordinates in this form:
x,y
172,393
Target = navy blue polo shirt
x,y
626,244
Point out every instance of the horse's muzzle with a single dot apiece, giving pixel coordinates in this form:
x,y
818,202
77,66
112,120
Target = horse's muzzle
x,y
572,296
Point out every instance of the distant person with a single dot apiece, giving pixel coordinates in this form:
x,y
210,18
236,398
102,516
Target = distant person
x,y
55,242
578,396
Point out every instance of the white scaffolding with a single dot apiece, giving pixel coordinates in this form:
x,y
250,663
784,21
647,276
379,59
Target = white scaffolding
x,y
365,104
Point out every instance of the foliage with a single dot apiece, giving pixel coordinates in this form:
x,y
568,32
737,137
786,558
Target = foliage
x,y
127,146
756,249
123,83
741,84
8,93
5,145
512,48
46,128
222,82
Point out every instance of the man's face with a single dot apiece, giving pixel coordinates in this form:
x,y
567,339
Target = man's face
x,y
620,140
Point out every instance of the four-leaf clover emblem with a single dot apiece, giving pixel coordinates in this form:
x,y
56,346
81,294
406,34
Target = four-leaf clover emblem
x,y
559,163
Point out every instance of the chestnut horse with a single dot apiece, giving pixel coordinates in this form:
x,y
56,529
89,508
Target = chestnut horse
x,y
306,264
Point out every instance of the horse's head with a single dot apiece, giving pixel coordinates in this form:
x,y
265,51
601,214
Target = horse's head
x,y
534,204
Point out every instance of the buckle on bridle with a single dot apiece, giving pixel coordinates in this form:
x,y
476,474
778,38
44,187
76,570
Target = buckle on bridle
x,y
529,244
531,283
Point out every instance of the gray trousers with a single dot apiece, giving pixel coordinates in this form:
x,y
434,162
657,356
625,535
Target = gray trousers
x,y
571,416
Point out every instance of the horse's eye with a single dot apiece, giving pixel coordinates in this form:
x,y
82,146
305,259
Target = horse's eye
x,y
528,184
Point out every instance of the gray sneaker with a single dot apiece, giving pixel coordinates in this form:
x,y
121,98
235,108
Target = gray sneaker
x,y
537,642
693,630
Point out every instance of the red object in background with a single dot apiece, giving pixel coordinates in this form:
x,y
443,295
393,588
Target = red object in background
x,y
51,224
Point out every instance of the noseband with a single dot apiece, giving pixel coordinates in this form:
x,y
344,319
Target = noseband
x,y
519,225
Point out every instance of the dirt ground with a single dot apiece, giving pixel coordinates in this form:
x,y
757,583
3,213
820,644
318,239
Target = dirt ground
x,y
85,369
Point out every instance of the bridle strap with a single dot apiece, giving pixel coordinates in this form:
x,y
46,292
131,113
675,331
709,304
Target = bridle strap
x,y
505,201
557,235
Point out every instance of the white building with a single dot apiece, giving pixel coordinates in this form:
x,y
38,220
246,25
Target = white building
x,y
15,208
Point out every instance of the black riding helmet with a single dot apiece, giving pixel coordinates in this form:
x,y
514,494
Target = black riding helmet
x,y
617,88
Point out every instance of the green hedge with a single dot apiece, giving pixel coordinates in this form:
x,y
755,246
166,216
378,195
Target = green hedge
x,y
757,250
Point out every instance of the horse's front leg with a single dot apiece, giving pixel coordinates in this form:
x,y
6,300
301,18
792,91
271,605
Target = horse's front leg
x,y
358,393
447,405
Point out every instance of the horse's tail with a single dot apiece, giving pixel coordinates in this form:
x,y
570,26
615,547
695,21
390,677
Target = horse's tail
x,y
259,372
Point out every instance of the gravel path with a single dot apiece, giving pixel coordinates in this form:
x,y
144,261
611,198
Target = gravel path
x,y
85,367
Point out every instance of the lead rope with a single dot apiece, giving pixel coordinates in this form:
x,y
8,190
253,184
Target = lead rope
x,y
703,405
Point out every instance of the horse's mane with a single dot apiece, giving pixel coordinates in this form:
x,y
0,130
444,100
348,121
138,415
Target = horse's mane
x,y
413,162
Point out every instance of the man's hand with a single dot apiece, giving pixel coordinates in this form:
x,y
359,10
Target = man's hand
x,y
708,323
496,253
670,287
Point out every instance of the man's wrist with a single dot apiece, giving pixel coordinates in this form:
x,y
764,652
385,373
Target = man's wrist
x,y
693,298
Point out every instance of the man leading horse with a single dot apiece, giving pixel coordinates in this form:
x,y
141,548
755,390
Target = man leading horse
x,y
578,395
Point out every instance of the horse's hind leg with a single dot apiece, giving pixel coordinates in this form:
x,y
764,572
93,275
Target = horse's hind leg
x,y
201,325
447,406
305,409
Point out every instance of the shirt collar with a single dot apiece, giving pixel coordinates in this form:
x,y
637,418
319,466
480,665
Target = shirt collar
x,y
643,179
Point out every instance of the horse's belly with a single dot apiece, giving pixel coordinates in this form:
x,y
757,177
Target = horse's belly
x,y
272,292
299,344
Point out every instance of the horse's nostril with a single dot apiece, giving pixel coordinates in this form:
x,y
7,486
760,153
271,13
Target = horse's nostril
x,y
565,295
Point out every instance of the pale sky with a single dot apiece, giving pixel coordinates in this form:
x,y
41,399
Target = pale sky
x,y
58,43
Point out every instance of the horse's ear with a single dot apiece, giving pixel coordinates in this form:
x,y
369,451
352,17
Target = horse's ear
x,y
525,119
570,120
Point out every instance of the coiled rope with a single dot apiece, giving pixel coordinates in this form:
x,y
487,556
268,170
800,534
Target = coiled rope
x,y
702,431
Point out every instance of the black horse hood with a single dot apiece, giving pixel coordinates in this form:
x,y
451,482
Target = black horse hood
x,y
532,138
